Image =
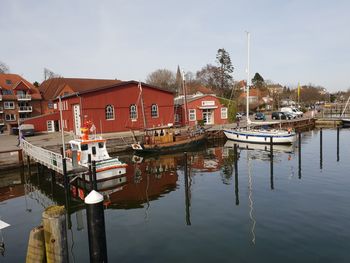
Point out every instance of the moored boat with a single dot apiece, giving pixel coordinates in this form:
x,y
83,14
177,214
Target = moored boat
x,y
106,167
167,139
346,123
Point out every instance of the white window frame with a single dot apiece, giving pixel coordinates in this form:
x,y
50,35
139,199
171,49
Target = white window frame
x,y
11,115
133,112
109,112
7,105
154,111
192,115
224,112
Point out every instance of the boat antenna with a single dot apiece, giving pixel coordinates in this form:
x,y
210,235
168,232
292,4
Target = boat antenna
x,y
248,79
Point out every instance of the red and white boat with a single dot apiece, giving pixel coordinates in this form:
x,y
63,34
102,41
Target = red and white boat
x,y
106,166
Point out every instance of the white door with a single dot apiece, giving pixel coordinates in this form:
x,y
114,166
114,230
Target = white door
x,y
76,117
50,126
208,116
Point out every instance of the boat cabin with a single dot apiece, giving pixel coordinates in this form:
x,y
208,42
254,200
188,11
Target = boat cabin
x,y
97,149
159,135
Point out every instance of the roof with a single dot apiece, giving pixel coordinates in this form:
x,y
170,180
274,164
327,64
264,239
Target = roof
x,y
195,88
180,99
51,88
11,81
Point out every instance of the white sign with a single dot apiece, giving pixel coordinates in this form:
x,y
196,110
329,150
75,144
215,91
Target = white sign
x,y
208,103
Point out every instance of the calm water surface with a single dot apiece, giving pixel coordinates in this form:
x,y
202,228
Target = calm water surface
x,y
261,212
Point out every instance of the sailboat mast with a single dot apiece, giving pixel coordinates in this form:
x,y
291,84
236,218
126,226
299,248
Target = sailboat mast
x,y
142,107
248,79
185,96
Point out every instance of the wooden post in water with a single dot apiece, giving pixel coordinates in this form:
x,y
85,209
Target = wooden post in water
x,y
236,173
337,144
96,227
271,163
321,157
90,172
54,222
299,155
94,179
28,165
36,246
53,182
187,196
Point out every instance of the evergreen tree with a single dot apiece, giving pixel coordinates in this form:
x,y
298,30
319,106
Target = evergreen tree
x,y
225,68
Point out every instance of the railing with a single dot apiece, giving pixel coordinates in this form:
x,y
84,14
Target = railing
x,y
25,109
48,158
24,97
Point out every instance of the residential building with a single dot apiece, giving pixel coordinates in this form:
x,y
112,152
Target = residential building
x,y
19,100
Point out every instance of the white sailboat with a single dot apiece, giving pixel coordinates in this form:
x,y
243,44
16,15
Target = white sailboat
x,y
262,136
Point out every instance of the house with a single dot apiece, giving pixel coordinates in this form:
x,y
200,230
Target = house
x,y
119,106
19,100
199,107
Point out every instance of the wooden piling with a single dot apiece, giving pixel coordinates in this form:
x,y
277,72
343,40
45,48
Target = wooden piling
x,y
236,173
90,172
187,194
54,223
271,163
36,246
94,179
28,165
337,144
321,150
299,155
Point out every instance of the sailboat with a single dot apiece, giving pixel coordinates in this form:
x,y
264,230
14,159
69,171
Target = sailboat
x,y
262,136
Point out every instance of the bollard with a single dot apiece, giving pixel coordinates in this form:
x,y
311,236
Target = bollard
x,y
54,222
96,227
94,179
36,246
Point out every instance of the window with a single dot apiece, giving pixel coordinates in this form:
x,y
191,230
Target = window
x,y
50,105
8,82
7,92
154,111
133,112
9,105
223,113
109,112
10,117
84,147
192,114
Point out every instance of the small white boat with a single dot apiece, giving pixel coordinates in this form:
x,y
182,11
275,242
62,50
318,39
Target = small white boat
x,y
263,136
285,148
106,167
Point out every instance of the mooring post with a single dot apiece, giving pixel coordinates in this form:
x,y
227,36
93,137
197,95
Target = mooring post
x,y
299,155
36,246
55,233
90,172
236,173
28,165
94,179
321,157
271,163
187,196
337,144
53,182
96,227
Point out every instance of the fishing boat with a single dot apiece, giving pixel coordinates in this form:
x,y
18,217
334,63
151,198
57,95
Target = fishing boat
x,y
91,144
260,135
168,139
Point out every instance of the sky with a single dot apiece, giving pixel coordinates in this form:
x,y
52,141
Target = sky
x,y
306,41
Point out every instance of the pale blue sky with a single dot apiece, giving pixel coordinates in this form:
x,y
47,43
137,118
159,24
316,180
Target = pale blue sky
x,y
291,41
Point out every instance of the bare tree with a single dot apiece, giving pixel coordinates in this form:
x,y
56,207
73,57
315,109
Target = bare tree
x,y
162,78
4,68
49,74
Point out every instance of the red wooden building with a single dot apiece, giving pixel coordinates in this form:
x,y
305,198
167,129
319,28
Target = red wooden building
x,y
117,107
206,107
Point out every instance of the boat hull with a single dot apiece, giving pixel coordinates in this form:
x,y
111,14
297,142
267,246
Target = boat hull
x,y
261,137
346,123
171,147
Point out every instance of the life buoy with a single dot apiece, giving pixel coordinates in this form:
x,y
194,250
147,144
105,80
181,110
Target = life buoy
x,y
136,146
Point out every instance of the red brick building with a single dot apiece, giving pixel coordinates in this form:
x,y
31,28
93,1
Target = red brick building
x,y
120,106
206,107
19,100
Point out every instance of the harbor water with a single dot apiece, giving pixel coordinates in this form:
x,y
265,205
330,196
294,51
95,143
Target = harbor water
x,y
259,209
